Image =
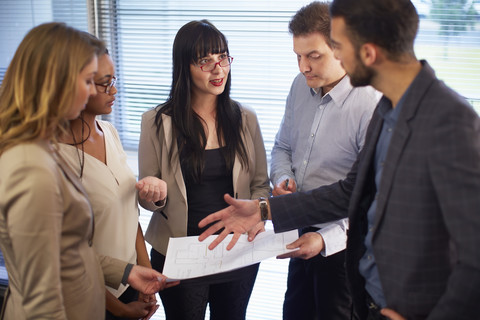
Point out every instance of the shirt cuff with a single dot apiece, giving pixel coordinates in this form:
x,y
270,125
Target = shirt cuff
x,y
283,178
334,237
161,203
126,273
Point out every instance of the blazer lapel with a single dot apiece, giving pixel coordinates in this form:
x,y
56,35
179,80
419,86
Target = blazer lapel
x,y
75,181
170,143
237,166
370,147
400,137
70,175
395,150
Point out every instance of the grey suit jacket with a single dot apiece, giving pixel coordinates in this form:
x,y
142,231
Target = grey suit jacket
x,y
153,160
426,234
46,229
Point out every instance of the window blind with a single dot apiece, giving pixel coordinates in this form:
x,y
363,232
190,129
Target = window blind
x,y
140,35
449,38
17,17
262,71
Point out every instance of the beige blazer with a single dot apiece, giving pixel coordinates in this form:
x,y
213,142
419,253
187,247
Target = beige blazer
x,y
46,228
153,159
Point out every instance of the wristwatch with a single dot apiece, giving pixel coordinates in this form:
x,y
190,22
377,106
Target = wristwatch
x,y
263,204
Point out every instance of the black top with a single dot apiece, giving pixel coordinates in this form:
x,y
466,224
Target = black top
x,y
206,196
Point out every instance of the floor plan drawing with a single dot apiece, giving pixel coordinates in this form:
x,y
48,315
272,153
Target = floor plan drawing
x,y
188,258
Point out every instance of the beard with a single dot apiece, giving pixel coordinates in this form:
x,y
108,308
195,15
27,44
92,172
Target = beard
x,y
361,75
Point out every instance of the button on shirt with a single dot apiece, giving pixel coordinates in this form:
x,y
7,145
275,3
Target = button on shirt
x,y
320,136
368,268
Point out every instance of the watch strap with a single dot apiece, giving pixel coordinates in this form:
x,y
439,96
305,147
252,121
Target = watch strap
x,y
263,204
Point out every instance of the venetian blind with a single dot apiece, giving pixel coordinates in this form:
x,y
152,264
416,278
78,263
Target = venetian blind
x,y
140,35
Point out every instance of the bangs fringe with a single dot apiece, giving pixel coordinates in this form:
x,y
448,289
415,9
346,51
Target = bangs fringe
x,y
209,41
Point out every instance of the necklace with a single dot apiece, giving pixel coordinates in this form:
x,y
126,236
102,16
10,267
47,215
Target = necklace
x,y
81,159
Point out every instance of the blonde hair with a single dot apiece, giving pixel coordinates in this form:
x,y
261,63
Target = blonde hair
x,y
39,87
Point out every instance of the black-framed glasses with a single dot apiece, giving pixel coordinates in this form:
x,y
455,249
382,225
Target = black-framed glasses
x,y
222,63
107,88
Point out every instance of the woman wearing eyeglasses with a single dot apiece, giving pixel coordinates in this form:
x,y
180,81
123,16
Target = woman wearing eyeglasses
x,y
93,148
203,145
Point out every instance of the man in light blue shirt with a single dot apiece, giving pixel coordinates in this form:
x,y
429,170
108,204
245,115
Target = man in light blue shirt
x,y
321,134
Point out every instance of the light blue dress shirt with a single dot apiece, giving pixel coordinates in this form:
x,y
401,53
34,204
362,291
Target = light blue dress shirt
x,y
320,136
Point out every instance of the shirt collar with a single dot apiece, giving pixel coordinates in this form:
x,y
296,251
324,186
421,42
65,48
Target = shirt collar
x,y
386,110
338,94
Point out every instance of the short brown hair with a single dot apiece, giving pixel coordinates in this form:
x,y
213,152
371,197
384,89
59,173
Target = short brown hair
x,y
314,17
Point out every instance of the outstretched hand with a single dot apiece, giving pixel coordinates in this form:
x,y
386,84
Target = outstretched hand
x,y
148,281
239,217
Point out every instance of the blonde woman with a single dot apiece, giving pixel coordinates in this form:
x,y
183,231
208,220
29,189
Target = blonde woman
x,y
46,223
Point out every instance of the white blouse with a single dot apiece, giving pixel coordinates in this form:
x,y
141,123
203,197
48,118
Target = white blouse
x,y
112,194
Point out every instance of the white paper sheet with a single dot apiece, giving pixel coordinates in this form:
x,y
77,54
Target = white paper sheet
x,y
189,258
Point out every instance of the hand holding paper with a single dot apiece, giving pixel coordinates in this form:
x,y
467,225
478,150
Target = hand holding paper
x,y
189,258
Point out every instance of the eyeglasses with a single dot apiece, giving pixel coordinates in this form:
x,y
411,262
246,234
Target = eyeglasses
x,y
107,88
222,63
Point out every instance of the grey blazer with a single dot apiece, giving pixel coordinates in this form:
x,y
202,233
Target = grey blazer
x,y
426,236
46,229
153,160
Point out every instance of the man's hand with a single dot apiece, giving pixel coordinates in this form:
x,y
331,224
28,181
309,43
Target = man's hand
x,y
391,314
148,281
252,233
152,189
239,217
310,244
283,187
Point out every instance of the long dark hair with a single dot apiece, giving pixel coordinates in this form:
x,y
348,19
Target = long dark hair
x,y
194,40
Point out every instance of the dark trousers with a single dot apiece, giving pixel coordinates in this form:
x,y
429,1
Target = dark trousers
x,y
317,289
227,294
128,296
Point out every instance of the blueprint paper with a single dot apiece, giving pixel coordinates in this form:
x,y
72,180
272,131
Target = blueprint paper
x,y
189,258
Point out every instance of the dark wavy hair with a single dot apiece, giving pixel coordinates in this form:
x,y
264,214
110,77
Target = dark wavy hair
x,y
390,24
193,41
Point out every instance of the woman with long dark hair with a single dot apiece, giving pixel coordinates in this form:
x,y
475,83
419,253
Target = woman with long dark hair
x,y
202,144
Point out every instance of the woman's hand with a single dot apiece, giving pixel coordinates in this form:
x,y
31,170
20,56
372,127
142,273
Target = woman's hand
x,y
152,189
148,281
